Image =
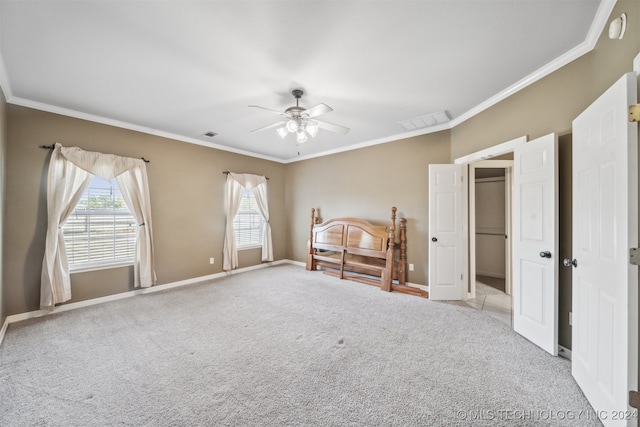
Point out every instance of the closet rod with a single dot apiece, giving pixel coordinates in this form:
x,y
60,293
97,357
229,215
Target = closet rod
x,y
52,146
228,172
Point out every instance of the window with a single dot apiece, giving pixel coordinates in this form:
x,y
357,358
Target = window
x,y
101,230
248,222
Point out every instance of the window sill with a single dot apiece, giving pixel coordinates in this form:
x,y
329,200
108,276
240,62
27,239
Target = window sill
x,y
94,267
250,247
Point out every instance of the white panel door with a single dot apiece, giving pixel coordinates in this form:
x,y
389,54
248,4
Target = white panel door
x,y
447,232
605,220
535,242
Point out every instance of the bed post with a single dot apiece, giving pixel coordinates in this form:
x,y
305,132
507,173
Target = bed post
x,y
310,260
387,273
402,272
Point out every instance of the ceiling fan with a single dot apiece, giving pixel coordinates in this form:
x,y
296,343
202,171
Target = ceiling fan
x,y
301,121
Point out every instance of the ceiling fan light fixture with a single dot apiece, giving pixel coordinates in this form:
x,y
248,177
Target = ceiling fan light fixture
x,y
312,128
301,121
301,136
283,132
292,125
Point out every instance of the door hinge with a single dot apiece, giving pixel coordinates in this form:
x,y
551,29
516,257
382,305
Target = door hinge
x,y
634,399
634,113
634,256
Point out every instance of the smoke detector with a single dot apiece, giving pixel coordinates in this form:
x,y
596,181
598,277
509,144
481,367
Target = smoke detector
x,y
617,27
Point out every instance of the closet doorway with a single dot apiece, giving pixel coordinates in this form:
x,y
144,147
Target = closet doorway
x,y
490,237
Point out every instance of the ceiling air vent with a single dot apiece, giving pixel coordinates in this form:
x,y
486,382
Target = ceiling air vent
x,y
426,121
209,134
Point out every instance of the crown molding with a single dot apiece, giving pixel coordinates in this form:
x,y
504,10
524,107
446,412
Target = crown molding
x,y
4,81
378,141
130,126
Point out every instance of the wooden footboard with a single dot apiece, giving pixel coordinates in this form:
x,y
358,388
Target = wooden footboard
x,y
353,248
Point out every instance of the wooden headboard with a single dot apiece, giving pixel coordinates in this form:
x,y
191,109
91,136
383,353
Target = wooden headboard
x,y
357,236
353,247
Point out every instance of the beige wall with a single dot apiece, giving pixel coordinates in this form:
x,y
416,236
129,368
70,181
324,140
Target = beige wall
x,y
366,183
3,146
490,227
186,184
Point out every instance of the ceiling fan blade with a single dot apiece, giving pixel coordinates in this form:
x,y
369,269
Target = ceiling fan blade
x,y
332,128
275,125
280,113
316,110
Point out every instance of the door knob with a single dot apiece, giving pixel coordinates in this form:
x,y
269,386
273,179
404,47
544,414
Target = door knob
x,y
545,254
434,239
570,262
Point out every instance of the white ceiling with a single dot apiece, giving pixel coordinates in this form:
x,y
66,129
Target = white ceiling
x,y
182,68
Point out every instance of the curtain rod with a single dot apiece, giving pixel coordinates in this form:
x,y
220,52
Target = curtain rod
x,y
52,146
228,172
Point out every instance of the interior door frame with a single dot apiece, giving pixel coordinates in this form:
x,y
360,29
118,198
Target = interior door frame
x,y
483,155
494,151
507,165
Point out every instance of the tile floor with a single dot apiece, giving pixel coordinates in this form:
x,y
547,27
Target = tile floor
x,y
493,302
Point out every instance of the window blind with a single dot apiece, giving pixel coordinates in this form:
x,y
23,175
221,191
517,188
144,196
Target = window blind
x,y
248,222
101,229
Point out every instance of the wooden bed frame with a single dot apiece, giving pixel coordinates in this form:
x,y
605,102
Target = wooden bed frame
x,y
353,248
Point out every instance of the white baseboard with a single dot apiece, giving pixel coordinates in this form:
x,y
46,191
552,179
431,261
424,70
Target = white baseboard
x,y
490,274
5,325
80,304
416,285
298,263
564,352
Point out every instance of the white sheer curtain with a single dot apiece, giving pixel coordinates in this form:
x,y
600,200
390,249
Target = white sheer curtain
x,y
233,194
236,182
260,193
134,186
70,172
65,184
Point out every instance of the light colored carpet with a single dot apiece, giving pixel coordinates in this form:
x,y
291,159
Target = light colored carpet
x,y
280,346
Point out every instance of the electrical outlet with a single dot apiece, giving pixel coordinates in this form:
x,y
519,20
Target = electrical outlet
x,y
211,260
410,267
